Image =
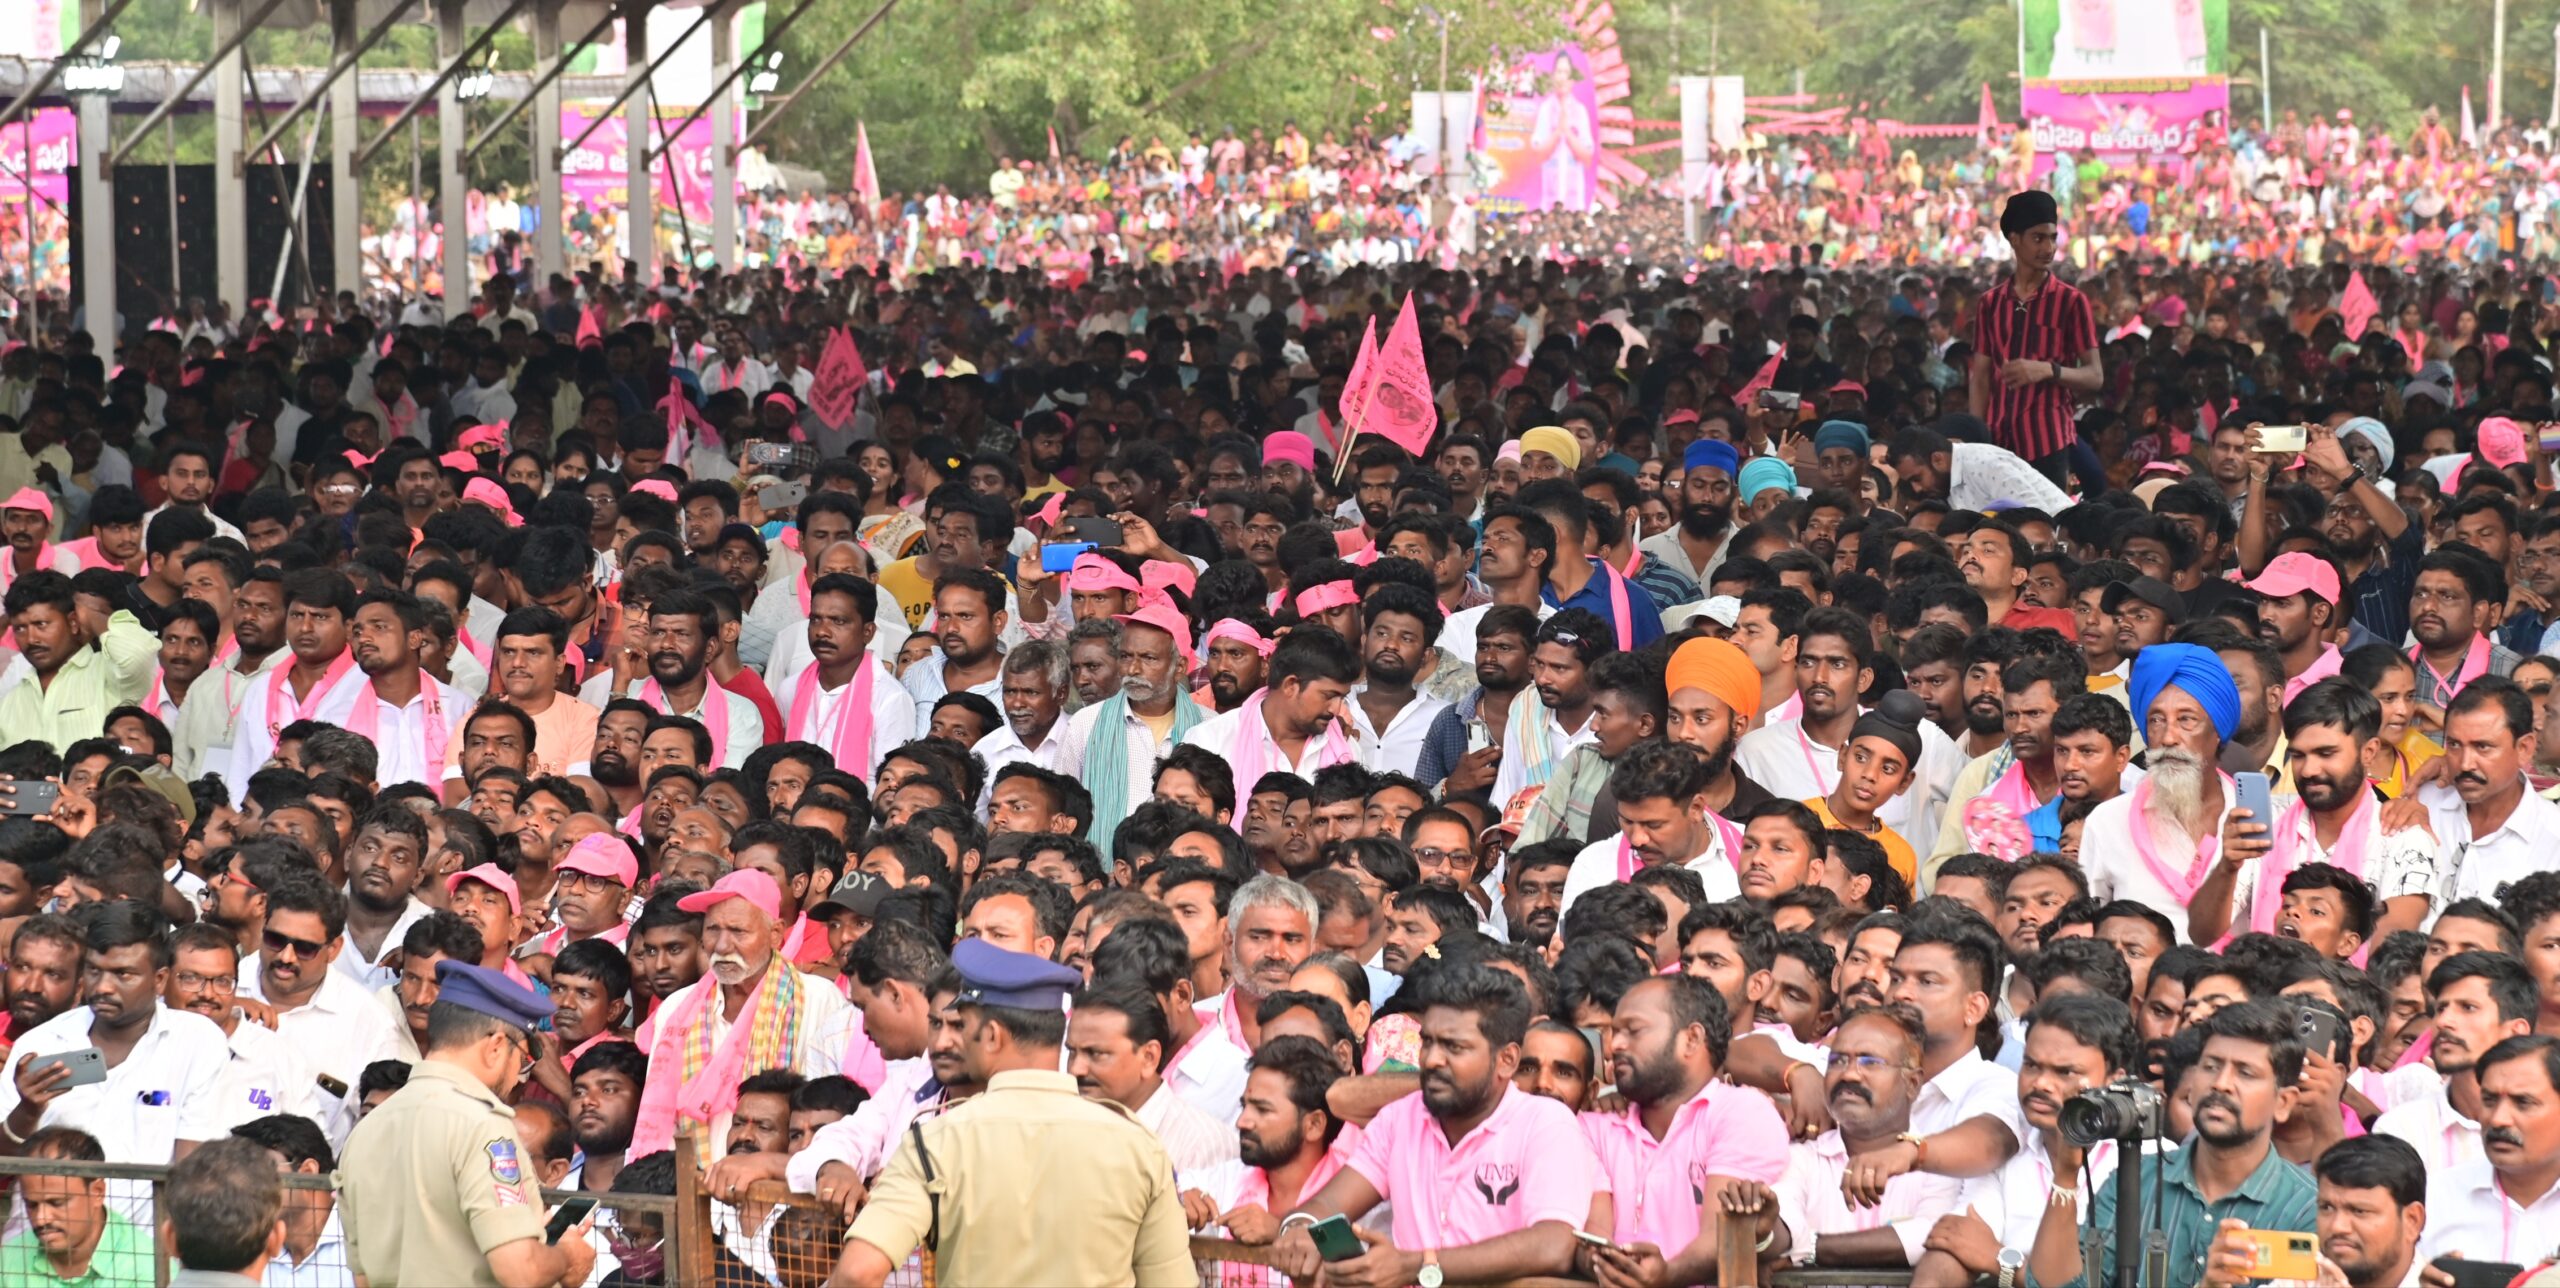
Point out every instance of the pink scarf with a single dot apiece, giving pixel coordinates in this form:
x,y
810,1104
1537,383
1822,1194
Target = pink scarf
x,y
711,1092
2475,663
366,721
2012,790
851,745
715,712
1254,741
45,551
2281,861
2181,885
283,708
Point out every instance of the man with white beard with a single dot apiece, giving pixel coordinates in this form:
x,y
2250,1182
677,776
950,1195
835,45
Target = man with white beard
x,y
2157,843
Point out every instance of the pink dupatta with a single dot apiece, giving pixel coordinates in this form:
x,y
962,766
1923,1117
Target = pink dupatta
x,y
851,745
1251,753
2280,862
715,712
2182,886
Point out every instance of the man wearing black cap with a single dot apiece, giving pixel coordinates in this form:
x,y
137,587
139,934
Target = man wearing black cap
x,y
445,1195
2035,340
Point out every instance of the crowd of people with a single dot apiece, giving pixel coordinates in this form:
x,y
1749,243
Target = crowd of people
x,y
1013,760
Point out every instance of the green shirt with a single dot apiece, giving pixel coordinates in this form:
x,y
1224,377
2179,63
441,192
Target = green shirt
x,y
122,1259
2277,1196
93,682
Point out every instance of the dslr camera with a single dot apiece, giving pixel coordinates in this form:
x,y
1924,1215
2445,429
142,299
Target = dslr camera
x,y
2125,1110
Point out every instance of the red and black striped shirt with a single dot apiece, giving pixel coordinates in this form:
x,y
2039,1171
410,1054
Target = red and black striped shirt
x,y
2056,326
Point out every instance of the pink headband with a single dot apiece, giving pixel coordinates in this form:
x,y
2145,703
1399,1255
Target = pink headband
x,y
656,488
1324,598
1292,446
1159,574
482,436
1093,573
359,459
1229,628
463,461
487,492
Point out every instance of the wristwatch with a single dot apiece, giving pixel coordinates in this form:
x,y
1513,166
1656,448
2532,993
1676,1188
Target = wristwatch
x,y
2011,1262
1429,1276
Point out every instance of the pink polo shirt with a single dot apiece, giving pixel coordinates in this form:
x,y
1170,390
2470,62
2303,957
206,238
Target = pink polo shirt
x,y
1658,1186
1527,1162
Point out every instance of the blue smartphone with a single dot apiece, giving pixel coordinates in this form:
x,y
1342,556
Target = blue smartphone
x,y
1061,557
2257,797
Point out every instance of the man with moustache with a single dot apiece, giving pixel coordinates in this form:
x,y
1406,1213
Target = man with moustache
x,y
2494,828
1959,677
845,699
682,627
2477,1000
44,970
1463,751
1271,925
1713,694
319,1009
79,677
2298,613
1287,1135
1696,544
604,1105
620,730
406,713
1113,746
902,982
2148,845
2449,606
2336,819
969,623
264,1075
1035,697
1234,653
384,864
753,1012
1663,818
2501,1208
525,663
1519,546
2092,740
2373,1210
2018,777
315,681
1399,627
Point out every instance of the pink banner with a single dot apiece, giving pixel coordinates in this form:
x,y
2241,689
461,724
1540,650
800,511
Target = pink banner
x,y
53,135
596,175
2123,120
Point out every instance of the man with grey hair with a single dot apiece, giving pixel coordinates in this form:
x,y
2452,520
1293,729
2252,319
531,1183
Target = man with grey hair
x,y
1113,746
1093,660
1035,694
1271,930
223,1210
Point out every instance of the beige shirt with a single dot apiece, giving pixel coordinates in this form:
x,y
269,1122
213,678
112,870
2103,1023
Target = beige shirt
x,y
444,1181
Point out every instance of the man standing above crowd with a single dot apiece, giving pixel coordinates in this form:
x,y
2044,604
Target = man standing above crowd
x,y
2035,344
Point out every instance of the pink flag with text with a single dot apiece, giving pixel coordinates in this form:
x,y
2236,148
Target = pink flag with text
x,y
1399,406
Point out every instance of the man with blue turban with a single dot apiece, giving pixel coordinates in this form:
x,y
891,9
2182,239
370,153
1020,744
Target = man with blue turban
x,y
1697,542
2158,842
1840,455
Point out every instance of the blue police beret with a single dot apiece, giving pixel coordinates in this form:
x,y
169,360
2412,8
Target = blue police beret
x,y
491,993
1001,977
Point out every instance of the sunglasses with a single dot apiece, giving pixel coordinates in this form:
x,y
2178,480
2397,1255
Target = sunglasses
x,y
302,948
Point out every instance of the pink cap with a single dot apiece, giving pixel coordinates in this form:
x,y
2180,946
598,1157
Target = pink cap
x,y
1291,446
1849,387
745,883
492,876
483,436
459,460
487,492
2501,442
657,488
2295,572
600,855
1682,416
27,498
1510,451
1159,612
1093,573
1159,574
1050,508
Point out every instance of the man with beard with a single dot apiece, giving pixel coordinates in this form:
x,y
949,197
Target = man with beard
x,y
2092,741
604,1104
1534,1173
2337,820
44,971
2493,828
1662,819
1461,754
969,626
1234,654
2298,613
594,880
75,685
1713,693
1271,926
1684,1132
188,642
206,718
752,992
1035,695
2456,591
1113,746
846,700
1401,625
1696,544
1817,1205
1993,561
1938,666
401,709
157,1058
384,864
319,1009
1533,881
1267,518
314,684
2373,1211
1537,738
902,985
1287,1135
1293,725
2228,1171
1116,1041
437,937
2018,777
2478,1000
187,479
620,732
1519,546
682,626
2148,845
1278,824
1799,758
26,522
263,1075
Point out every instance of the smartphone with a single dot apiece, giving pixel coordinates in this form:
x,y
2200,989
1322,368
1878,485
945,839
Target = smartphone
x,y
2478,1274
2283,1254
1594,1240
1062,556
1780,399
2549,435
88,1066
2321,1026
566,1217
2283,438
26,799
1335,1239
1099,531
1479,736
2258,798
782,496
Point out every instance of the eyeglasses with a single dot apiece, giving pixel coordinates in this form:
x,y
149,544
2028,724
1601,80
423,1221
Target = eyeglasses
x,y
208,983
1863,1062
278,942
1433,854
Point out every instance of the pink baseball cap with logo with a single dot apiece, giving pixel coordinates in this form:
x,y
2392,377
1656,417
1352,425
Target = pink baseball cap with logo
x,y
745,883
2296,572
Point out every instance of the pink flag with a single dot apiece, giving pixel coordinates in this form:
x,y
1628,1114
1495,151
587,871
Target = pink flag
x,y
1768,372
2470,131
837,386
1398,407
1986,122
683,423
2358,308
1053,144
1364,371
866,180
591,325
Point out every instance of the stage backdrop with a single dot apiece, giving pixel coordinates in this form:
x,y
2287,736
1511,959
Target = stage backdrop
x,y
2124,79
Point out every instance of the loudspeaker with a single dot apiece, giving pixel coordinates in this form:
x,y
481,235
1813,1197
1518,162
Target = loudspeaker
x,y
145,235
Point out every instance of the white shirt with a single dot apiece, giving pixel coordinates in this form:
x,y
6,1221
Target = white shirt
x,y
410,740
720,376
1221,735
1597,865
265,1075
328,1266
818,1052
164,1092
2012,1200
2116,870
252,742
2468,1212
1203,1148
774,635
2403,863
1811,1204
1004,747
204,728
746,726
373,974
1781,757
864,1139
339,1031
221,527
892,713
2444,1139
1398,747
1979,474
1210,1071
925,685
1964,1091
1074,736
2482,867
1458,632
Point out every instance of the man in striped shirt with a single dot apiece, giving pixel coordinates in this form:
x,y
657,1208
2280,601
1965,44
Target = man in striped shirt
x,y
2034,341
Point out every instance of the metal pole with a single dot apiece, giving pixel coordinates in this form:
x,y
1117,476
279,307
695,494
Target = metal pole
x,y
551,70
549,234
772,38
169,105
453,192
417,206
2497,66
639,199
640,77
724,157
346,187
2266,87
53,70
783,109
434,90
2554,118
169,134
338,66
98,215
295,235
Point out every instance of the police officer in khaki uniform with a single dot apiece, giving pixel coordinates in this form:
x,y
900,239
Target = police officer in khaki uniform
x,y
1029,1183
438,1192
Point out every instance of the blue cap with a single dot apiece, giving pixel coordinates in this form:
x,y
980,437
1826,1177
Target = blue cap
x,y
491,993
995,976
1712,452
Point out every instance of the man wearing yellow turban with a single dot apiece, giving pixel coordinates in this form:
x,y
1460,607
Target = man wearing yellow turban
x,y
1549,452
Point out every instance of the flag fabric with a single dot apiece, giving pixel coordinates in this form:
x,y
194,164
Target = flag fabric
x,y
1356,390
1053,145
2470,130
590,326
2358,308
684,423
837,387
1398,407
866,180
1768,372
1986,122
